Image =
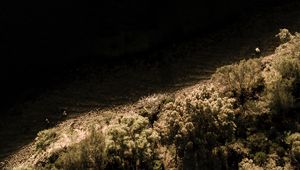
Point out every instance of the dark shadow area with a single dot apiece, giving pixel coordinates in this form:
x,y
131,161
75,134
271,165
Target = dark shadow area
x,y
37,42
75,71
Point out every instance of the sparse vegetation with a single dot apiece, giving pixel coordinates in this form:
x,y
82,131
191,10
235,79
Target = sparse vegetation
x,y
244,117
45,138
89,153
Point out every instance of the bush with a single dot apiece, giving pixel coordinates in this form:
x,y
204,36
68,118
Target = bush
x,y
258,142
242,80
267,162
89,153
132,144
282,79
151,106
247,164
45,138
196,123
294,141
284,35
260,158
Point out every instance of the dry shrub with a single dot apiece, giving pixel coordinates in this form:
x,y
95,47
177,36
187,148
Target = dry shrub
x,y
88,154
242,80
196,123
132,143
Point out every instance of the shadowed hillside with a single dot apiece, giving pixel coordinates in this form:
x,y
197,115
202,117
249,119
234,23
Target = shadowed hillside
x,y
121,75
246,116
38,42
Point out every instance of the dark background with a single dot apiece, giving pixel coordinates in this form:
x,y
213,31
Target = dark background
x,y
40,41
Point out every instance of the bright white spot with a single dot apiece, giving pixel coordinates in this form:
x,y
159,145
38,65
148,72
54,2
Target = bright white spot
x,y
257,50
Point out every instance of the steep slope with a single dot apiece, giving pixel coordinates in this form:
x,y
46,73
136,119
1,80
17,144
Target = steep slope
x,y
246,116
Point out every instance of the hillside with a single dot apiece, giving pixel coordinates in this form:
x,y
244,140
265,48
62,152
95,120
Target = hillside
x,y
245,116
63,118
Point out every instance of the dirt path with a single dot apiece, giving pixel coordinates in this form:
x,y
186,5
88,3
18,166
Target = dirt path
x,y
176,67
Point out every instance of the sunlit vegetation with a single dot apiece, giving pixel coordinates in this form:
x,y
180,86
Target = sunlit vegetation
x,y
88,153
45,138
246,117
